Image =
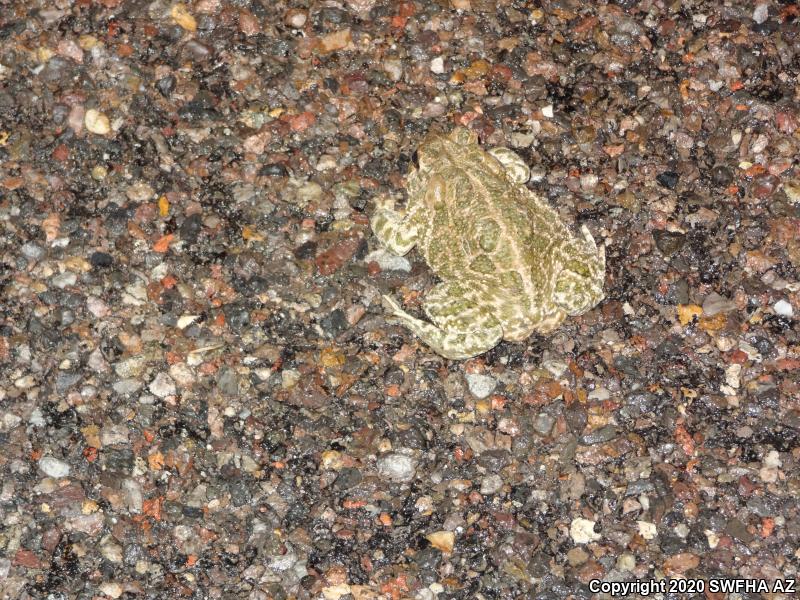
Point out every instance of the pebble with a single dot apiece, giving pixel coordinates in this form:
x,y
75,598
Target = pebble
x,y
289,378
437,65
721,176
131,367
111,551
491,484
397,467
783,308
388,261
166,85
181,15
669,242
442,540
32,251
761,13
162,386
127,386
138,192
668,179
647,529
626,562
577,556
582,531
481,386
393,68
114,434
64,280
97,307
268,170
97,122
134,498
111,589
792,191
309,192
715,304
543,423
295,18
52,467
599,436
326,162
337,40
89,524
773,459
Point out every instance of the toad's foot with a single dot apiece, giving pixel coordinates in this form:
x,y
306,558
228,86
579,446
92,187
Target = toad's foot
x,y
453,343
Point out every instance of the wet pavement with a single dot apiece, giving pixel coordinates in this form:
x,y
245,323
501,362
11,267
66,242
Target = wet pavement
x,y
201,395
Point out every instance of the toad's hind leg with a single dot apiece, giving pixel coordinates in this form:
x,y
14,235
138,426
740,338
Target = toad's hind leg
x,y
462,329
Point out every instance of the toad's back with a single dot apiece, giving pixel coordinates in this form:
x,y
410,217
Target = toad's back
x,y
494,232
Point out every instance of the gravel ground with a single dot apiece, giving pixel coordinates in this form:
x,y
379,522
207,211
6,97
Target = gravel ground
x,y
200,395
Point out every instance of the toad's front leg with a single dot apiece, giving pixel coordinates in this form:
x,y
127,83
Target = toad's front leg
x,y
395,230
399,232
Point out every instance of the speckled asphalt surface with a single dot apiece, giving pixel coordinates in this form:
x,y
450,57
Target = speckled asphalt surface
x,y
201,396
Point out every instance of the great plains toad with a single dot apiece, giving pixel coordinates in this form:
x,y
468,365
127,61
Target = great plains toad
x,y
508,264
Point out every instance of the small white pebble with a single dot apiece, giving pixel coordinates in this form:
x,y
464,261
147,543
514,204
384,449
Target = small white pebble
x,y
547,111
437,65
480,386
588,181
388,261
582,531
626,562
37,418
97,122
393,67
768,474
185,320
162,386
64,280
97,307
783,308
397,467
599,393
732,375
111,589
773,459
761,13
681,530
647,529
52,467
296,18
712,538
182,374
491,484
